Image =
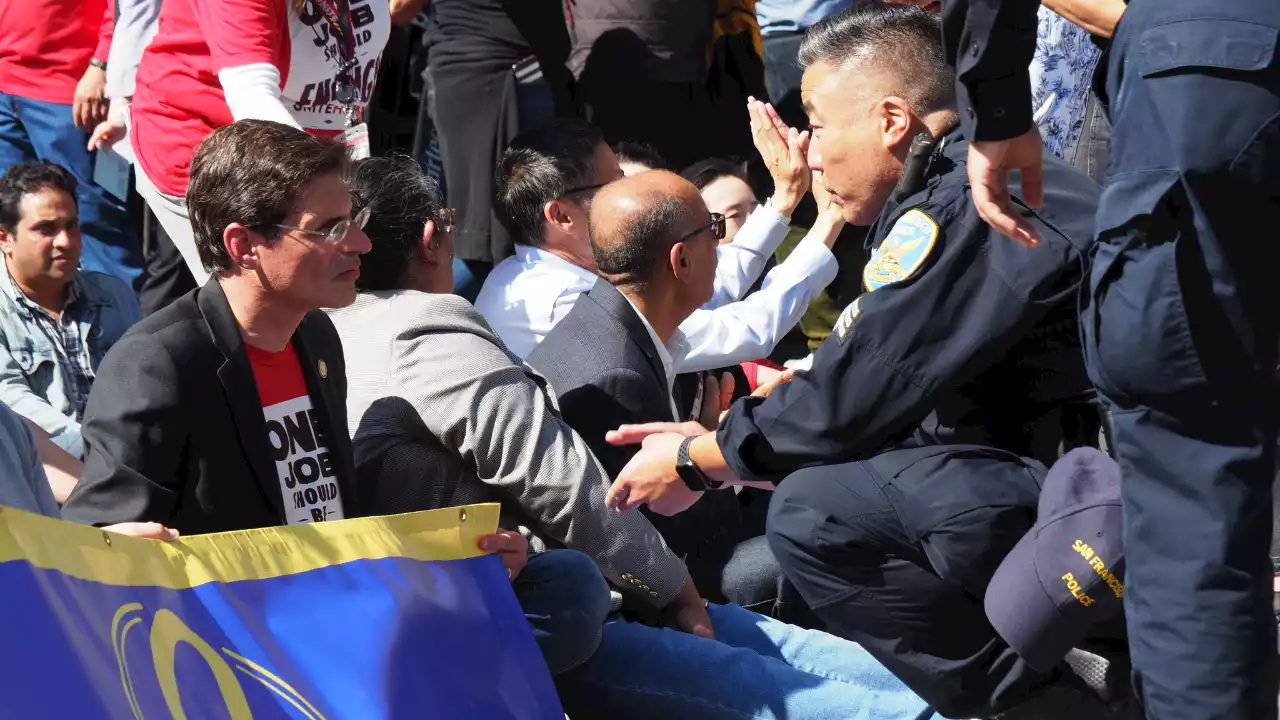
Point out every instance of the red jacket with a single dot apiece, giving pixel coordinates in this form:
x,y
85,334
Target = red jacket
x,y
46,45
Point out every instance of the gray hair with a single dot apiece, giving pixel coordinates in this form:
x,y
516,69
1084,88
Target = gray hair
x,y
904,39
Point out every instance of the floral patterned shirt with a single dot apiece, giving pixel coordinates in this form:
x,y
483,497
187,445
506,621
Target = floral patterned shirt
x,y
1061,80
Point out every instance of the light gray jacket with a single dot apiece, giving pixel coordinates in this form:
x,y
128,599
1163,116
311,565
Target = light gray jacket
x,y
423,368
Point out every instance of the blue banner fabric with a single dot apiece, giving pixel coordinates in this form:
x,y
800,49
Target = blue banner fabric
x,y
396,617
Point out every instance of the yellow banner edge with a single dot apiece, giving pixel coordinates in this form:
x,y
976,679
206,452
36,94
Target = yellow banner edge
x,y
93,554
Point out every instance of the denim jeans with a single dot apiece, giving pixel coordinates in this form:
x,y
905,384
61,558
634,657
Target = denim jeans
x,y
565,600
30,130
756,669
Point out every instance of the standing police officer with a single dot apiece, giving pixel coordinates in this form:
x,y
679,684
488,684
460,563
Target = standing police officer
x,y
1183,320
912,450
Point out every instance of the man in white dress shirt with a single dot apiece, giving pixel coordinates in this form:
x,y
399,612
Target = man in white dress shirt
x,y
546,181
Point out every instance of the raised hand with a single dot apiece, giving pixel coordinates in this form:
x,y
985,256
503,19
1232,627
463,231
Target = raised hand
x,y
783,150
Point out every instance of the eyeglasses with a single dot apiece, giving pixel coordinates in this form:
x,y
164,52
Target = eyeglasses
x,y
584,188
716,226
338,232
446,220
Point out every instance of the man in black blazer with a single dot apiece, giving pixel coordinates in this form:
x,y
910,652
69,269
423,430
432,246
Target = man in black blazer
x,y
226,410
610,363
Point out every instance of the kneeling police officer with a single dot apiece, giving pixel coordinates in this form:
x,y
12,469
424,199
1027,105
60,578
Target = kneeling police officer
x,y
908,459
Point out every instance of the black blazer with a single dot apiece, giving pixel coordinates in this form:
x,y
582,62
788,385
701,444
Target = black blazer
x,y
174,430
606,372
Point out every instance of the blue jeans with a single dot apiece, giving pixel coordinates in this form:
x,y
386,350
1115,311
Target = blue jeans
x,y
565,600
756,669
31,130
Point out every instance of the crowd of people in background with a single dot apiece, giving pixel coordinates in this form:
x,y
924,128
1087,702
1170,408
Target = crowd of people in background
x,y
717,299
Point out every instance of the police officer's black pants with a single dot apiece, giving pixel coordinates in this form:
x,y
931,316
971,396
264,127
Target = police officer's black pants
x,y
1181,338
841,542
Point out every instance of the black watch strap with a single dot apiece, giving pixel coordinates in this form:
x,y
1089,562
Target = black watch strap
x,y
690,473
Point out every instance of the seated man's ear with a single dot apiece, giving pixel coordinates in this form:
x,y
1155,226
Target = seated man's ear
x,y
679,260
242,245
555,214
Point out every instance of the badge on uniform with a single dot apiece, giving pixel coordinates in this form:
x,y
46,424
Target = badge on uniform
x,y
845,321
903,251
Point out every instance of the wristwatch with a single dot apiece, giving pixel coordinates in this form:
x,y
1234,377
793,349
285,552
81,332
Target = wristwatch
x,y
690,473
95,62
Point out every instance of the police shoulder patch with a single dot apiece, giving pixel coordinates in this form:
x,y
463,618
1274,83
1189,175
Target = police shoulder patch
x,y
845,321
903,250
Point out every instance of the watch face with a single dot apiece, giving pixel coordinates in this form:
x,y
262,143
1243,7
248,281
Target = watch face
x,y
691,476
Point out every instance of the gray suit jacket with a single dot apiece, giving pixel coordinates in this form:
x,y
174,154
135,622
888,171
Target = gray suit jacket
x,y
441,414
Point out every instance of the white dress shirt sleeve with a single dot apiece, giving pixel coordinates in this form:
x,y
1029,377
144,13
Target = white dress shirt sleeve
x,y
135,26
740,262
749,329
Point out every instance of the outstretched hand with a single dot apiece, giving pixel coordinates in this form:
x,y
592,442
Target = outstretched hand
x,y
650,478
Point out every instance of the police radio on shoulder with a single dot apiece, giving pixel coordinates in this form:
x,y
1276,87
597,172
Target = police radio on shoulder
x,y
916,166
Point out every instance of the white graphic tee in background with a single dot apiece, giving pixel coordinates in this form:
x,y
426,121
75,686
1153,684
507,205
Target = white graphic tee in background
x,y
314,62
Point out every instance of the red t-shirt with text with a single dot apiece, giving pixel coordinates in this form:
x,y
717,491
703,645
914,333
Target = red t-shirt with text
x,y
298,440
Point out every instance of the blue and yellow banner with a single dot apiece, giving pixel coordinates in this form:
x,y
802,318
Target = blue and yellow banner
x,y
395,617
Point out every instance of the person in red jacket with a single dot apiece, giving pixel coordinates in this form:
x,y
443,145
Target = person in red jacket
x,y
311,64
52,75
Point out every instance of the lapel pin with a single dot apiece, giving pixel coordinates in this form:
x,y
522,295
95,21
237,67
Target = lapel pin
x,y
324,369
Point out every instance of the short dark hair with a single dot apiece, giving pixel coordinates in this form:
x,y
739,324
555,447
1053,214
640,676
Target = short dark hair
x,y
640,154
401,199
705,172
903,38
539,166
250,172
637,247
26,178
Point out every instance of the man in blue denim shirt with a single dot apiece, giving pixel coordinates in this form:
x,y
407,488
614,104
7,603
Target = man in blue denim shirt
x,y
57,321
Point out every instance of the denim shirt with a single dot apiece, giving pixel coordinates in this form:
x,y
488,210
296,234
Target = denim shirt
x,y
36,380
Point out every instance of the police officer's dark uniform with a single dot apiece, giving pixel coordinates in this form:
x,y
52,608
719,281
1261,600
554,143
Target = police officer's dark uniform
x,y
1182,324
937,391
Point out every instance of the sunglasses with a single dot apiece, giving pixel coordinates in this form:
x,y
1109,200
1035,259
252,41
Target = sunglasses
x,y
582,189
338,232
716,226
